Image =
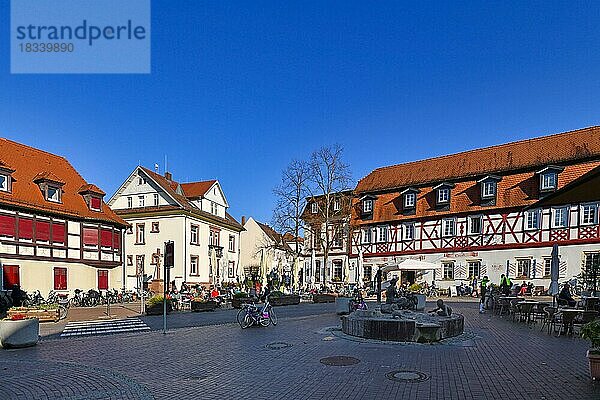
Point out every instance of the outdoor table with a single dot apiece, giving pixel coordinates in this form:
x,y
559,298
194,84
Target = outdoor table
x,y
590,303
569,315
527,308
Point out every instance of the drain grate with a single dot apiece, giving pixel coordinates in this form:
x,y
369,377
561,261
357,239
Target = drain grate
x,y
407,376
339,361
278,345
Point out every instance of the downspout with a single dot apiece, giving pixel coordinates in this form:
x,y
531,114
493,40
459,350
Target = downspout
x,y
185,248
123,258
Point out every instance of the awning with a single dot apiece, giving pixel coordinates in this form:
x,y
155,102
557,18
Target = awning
x,y
410,265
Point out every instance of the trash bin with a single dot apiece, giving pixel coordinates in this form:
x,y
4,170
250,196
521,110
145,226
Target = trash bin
x,y
342,305
420,302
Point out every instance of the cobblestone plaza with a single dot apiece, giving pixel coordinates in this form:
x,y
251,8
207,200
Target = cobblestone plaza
x,y
495,359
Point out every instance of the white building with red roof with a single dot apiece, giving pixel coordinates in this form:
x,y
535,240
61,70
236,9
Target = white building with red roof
x,y
192,215
56,232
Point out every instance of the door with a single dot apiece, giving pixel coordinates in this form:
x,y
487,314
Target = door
x,y
10,276
102,279
408,277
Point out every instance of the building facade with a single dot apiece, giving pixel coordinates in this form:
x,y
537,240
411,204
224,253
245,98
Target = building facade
x,y
56,232
491,211
192,215
264,255
327,242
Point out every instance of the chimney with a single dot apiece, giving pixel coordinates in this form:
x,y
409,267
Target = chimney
x,y
168,176
243,220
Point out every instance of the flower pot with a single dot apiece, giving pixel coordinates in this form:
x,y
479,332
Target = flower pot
x,y
21,333
594,360
203,305
157,309
323,298
285,300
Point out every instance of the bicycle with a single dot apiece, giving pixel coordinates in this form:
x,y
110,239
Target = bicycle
x,y
250,314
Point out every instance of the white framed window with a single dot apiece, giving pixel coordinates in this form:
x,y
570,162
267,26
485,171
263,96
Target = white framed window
x,y
448,270
410,199
194,234
448,226
155,196
141,201
532,219
231,243
314,208
524,267
548,181
231,269
367,205
129,202
337,237
488,189
475,225
560,217
53,194
589,214
193,265
367,235
4,183
140,234
443,195
409,231
547,266
336,205
474,268
383,230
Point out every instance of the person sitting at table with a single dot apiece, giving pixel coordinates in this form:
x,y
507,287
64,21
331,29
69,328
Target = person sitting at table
x,y
523,289
442,309
530,288
565,294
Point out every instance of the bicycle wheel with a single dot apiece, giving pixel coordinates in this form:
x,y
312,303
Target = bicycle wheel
x,y
272,316
264,321
240,316
62,312
246,322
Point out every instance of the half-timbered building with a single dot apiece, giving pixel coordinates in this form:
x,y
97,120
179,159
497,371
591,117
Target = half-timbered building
x,y
488,211
56,232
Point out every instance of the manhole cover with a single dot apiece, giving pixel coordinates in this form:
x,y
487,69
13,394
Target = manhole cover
x,y
339,361
278,345
407,376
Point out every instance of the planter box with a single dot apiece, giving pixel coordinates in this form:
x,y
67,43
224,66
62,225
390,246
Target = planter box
x,y
157,309
237,302
23,333
203,306
32,312
594,359
323,298
285,300
342,305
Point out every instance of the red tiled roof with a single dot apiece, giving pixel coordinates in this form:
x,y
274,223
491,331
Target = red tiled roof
x,y
90,187
194,190
31,164
578,145
170,187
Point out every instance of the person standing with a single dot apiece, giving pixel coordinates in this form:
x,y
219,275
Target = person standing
x,y
483,292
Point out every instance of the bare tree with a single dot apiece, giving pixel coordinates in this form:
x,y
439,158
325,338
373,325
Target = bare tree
x,y
291,196
330,180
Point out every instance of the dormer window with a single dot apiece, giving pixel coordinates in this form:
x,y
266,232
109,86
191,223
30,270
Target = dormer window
x,y
410,199
53,194
489,188
95,203
336,205
443,193
549,178
314,208
368,206
92,196
50,185
4,183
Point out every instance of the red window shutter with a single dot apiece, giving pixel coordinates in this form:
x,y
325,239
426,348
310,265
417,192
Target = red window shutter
x,y
7,225
60,279
58,233
117,239
95,203
10,276
42,231
25,228
90,236
102,279
106,238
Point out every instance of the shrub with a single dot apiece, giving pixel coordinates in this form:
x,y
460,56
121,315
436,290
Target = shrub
x,y
157,299
415,287
276,294
239,295
591,331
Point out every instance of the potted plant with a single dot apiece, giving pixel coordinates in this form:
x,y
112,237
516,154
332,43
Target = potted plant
x,y
239,298
591,331
154,306
19,330
200,304
324,298
278,298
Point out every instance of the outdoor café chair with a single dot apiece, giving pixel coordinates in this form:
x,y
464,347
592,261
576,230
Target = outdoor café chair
x,y
584,318
538,311
551,318
568,320
515,309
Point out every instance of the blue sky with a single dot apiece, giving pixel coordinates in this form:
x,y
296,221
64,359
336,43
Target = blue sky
x,y
238,89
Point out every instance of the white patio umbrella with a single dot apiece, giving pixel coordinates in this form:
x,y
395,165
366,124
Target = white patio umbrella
x,y
410,265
